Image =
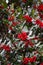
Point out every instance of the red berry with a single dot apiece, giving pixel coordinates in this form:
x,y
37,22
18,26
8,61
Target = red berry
x,y
11,18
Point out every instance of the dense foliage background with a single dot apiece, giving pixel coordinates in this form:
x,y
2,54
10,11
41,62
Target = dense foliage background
x,y
21,32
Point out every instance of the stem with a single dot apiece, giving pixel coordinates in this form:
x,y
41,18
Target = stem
x,y
36,38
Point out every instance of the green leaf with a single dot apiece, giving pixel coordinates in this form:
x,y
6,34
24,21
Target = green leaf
x,y
29,2
4,4
19,9
32,12
6,21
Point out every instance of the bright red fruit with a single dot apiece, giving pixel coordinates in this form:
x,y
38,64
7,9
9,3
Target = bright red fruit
x,y
38,22
32,59
40,7
22,36
25,61
28,18
6,47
